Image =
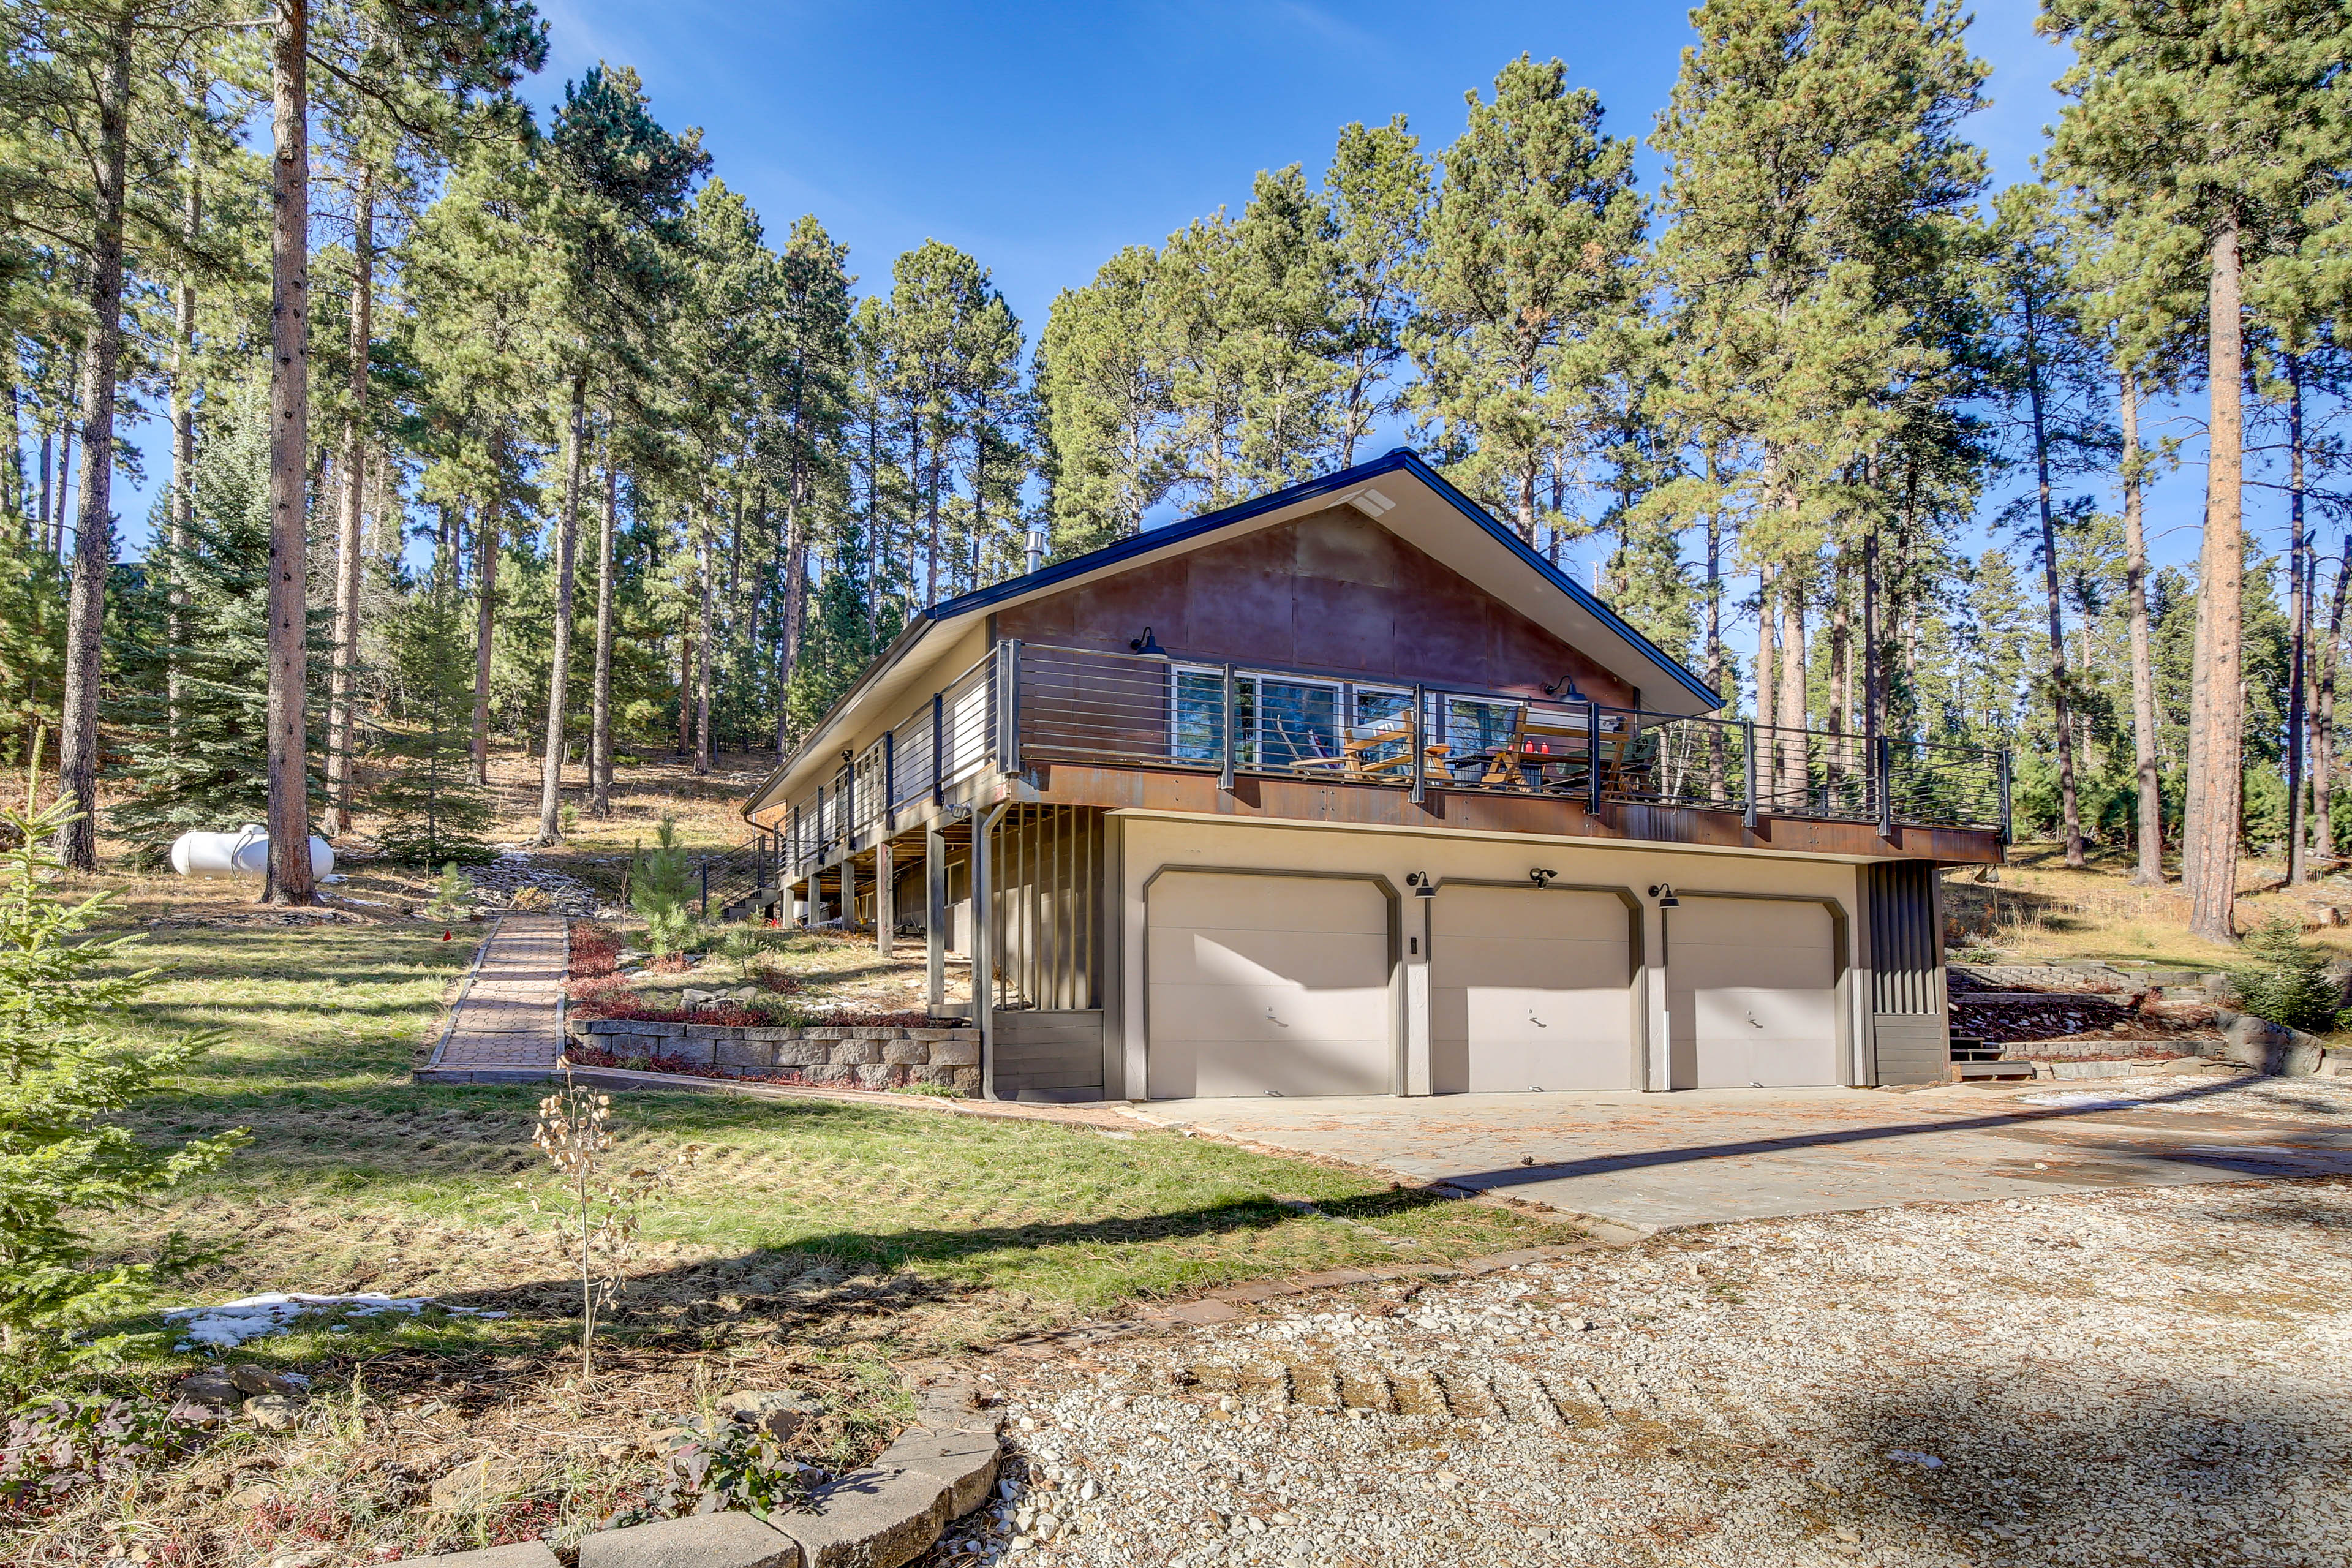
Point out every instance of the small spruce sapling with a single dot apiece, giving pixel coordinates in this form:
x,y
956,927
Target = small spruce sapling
x,y
2287,982
661,890
64,1154
603,1207
450,895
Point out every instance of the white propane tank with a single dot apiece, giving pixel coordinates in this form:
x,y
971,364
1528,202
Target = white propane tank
x,y
245,853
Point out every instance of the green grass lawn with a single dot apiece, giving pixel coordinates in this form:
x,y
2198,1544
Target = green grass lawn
x,y
356,1178
820,1244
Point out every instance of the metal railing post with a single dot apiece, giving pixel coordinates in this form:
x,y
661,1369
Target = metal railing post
x,y
889,780
1884,767
706,890
1414,738
1592,759
939,743
1747,769
1008,724
2002,757
1225,774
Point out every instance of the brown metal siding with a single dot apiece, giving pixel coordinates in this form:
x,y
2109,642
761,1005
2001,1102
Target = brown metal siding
x,y
1910,1030
1334,593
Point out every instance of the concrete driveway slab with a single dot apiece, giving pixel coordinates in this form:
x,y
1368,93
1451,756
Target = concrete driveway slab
x,y
1650,1161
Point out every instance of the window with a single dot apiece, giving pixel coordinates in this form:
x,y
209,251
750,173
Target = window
x,y
1474,726
1379,712
1276,722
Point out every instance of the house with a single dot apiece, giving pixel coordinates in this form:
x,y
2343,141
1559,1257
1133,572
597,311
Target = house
x,y
1346,790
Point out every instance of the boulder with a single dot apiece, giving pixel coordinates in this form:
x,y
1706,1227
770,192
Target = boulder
x,y
273,1412
214,1390
251,1379
782,1413
2268,1047
472,1488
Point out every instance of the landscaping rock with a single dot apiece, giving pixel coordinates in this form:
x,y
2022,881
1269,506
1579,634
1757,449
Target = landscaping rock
x,y
521,1554
2269,1047
705,1540
868,1519
273,1412
251,1379
213,1390
781,1412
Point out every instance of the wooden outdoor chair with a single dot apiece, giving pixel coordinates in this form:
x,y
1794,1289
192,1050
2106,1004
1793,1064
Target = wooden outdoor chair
x,y
1356,764
1551,750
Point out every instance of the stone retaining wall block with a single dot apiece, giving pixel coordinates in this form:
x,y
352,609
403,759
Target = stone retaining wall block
x,y
965,1462
704,1541
800,1052
855,1053
521,1554
868,1519
761,1054
955,1053
905,1053
876,1074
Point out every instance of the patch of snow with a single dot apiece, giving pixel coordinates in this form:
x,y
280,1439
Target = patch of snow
x,y
232,1323
2084,1099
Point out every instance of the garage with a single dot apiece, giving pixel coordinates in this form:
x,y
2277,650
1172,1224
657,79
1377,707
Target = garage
x,y
1530,989
1258,983
1751,992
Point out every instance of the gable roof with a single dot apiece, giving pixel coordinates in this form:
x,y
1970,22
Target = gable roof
x,y
1398,490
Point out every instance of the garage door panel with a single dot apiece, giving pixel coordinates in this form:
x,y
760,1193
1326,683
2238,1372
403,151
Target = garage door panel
x,y
1528,989
1751,992
1217,901
1495,961
1268,1015
1266,983
1184,955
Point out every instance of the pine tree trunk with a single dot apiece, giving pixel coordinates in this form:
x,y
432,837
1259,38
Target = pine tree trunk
x,y
2210,866
1796,775
600,722
65,466
2069,809
290,438
2299,546
2323,739
1768,706
559,669
48,455
341,731
702,664
1717,783
2148,834
932,568
184,437
488,525
77,841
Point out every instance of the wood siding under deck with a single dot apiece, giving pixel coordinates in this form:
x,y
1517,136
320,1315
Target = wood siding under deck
x,y
1256,798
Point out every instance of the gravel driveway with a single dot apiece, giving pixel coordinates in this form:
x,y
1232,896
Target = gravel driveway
x,y
2156,1375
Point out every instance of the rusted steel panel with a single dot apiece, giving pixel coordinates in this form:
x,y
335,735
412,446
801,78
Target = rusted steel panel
x,y
1334,593
1295,800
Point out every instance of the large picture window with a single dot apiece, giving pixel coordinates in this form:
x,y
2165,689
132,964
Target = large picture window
x,y
1278,722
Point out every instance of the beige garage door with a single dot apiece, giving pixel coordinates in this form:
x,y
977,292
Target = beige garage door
x,y
1529,990
1267,982
1752,989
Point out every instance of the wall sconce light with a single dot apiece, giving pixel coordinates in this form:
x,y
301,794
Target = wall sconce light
x,y
1541,876
1147,645
1423,886
1665,893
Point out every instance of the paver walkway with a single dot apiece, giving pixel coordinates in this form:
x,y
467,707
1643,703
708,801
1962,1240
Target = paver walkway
x,y
507,1022
1704,1156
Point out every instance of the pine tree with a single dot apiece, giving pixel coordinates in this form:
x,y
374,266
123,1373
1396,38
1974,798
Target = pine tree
x,y
196,711
1104,404
1530,268
2211,138
434,809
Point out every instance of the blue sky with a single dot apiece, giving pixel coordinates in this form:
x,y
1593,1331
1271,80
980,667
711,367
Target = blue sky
x,y
1041,137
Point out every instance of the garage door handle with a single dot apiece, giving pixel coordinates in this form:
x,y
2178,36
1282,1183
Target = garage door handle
x,y
1277,1023
1539,1023
1752,1022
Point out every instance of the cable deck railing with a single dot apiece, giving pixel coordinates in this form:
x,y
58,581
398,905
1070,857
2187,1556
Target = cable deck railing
x,y
1026,703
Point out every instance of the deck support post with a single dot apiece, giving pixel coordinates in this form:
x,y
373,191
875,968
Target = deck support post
x,y
848,893
985,938
886,905
935,916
